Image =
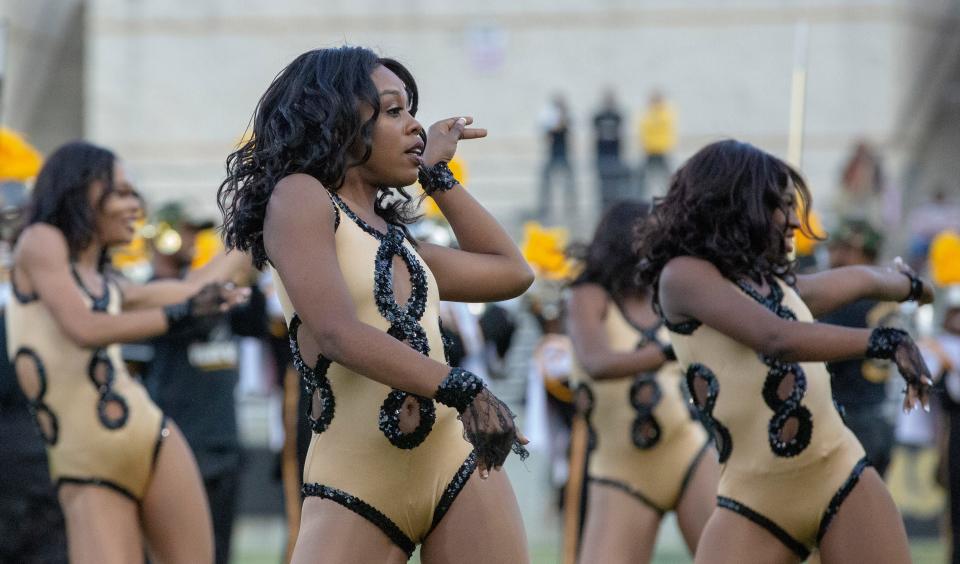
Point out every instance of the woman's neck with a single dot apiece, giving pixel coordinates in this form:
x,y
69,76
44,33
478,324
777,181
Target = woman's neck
x,y
89,258
359,194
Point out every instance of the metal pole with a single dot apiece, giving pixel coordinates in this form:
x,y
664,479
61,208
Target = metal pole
x,y
798,94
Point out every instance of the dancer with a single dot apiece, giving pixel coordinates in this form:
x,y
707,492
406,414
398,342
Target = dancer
x,y
741,322
316,194
650,455
123,471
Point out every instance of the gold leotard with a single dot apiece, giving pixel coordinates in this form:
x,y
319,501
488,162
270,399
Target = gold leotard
x,y
358,456
646,442
99,425
788,459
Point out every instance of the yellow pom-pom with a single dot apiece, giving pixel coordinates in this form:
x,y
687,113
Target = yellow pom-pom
x,y
945,258
806,245
545,250
18,159
207,246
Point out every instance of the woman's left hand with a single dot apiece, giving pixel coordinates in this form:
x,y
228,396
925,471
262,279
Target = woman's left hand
x,y
443,136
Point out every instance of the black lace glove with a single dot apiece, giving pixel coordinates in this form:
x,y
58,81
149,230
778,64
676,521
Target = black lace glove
x,y
888,343
205,303
487,422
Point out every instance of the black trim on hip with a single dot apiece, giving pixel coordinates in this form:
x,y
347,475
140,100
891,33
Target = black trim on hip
x,y
783,536
453,489
98,482
629,491
162,434
365,510
841,495
688,475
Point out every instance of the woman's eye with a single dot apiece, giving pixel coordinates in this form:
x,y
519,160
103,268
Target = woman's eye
x,y
394,111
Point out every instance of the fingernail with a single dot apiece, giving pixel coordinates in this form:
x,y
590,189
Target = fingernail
x,y
462,120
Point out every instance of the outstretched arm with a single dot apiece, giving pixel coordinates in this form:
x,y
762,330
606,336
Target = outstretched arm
x,y
692,288
488,266
222,268
826,291
587,306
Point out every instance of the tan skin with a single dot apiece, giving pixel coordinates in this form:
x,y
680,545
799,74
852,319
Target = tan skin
x,y
619,528
487,266
868,526
104,526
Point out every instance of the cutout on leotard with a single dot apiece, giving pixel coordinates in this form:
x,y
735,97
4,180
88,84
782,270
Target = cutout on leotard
x,y
645,394
409,415
47,423
29,375
113,411
704,389
315,382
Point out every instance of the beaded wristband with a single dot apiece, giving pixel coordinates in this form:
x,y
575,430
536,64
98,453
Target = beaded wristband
x,y
438,178
458,389
916,288
884,341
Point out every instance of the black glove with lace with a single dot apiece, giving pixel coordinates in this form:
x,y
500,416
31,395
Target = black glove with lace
x,y
487,422
887,343
205,303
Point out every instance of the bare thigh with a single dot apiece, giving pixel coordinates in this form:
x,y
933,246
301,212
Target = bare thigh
x,y
176,517
483,526
619,528
102,525
730,538
699,499
331,533
867,527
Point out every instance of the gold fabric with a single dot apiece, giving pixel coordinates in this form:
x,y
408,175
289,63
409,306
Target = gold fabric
x,y
85,449
352,454
792,492
657,473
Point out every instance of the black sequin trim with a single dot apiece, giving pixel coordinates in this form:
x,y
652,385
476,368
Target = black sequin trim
x,y
447,343
98,482
645,420
99,303
458,389
783,409
438,178
106,393
21,297
453,489
720,433
688,475
884,341
37,405
628,490
314,379
793,544
682,328
365,510
162,434
840,496
593,438
404,322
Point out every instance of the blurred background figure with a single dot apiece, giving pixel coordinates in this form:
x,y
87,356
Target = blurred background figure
x,y
939,213
555,124
658,138
607,130
31,522
193,373
862,186
860,386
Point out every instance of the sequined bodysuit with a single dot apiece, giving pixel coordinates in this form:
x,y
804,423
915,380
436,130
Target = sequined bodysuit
x,y
99,425
788,461
359,456
645,440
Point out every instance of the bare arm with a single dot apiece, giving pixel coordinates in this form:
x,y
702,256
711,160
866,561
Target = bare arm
x,y
587,307
299,239
831,289
159,293
488,266
43,257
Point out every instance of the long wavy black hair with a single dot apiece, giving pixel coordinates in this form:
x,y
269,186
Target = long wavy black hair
x,y
309,121
610,259
720,208
61,194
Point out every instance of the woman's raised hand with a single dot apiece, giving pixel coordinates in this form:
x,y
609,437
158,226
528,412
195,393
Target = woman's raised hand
x,y
443,136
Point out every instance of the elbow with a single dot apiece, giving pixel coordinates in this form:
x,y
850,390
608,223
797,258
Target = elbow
x,y
776,345
83,339
524,278
332,342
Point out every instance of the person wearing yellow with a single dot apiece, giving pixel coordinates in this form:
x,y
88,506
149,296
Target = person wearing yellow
x,y
658,137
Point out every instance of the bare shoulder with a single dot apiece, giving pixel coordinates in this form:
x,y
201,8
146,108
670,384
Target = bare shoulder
x,y
684,271
588,297
41,241
297,199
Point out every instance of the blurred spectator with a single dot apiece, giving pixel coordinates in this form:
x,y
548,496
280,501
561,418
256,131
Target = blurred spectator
x,y
658,137
193,375
927,220
861,186
611,172
860,386
555,124
942,354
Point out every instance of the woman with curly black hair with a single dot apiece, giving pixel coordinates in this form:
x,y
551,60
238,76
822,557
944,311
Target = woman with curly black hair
x,y
317,194
742,324
650,454
123,471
